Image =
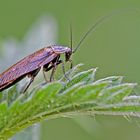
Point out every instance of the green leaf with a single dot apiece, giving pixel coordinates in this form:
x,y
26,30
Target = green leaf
x,y
82,94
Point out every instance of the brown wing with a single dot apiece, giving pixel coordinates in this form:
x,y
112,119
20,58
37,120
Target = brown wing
x,y
27,65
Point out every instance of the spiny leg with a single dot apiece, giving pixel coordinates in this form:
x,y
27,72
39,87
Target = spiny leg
x,y
54,66
31,80
53,71
32,75
55,62
46,68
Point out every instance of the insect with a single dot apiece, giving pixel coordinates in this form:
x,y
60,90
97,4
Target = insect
x,y
48,58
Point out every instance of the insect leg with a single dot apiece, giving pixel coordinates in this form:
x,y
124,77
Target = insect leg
x,y
32,76
54,68
46,68
71,64
63,69
53,71
54,65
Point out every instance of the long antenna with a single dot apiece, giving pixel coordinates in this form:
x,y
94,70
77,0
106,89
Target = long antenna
x,y
97,23
71,44
71,41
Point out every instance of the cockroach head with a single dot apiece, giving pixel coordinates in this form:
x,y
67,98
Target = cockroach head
x,y
68,55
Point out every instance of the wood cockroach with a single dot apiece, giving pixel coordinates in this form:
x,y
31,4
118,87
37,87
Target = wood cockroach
x,y
48,58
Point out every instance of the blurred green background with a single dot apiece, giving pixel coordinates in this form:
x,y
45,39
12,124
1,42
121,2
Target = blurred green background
x,y
114,48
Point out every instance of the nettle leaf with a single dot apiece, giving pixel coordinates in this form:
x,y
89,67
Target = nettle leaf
x,y
80,94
